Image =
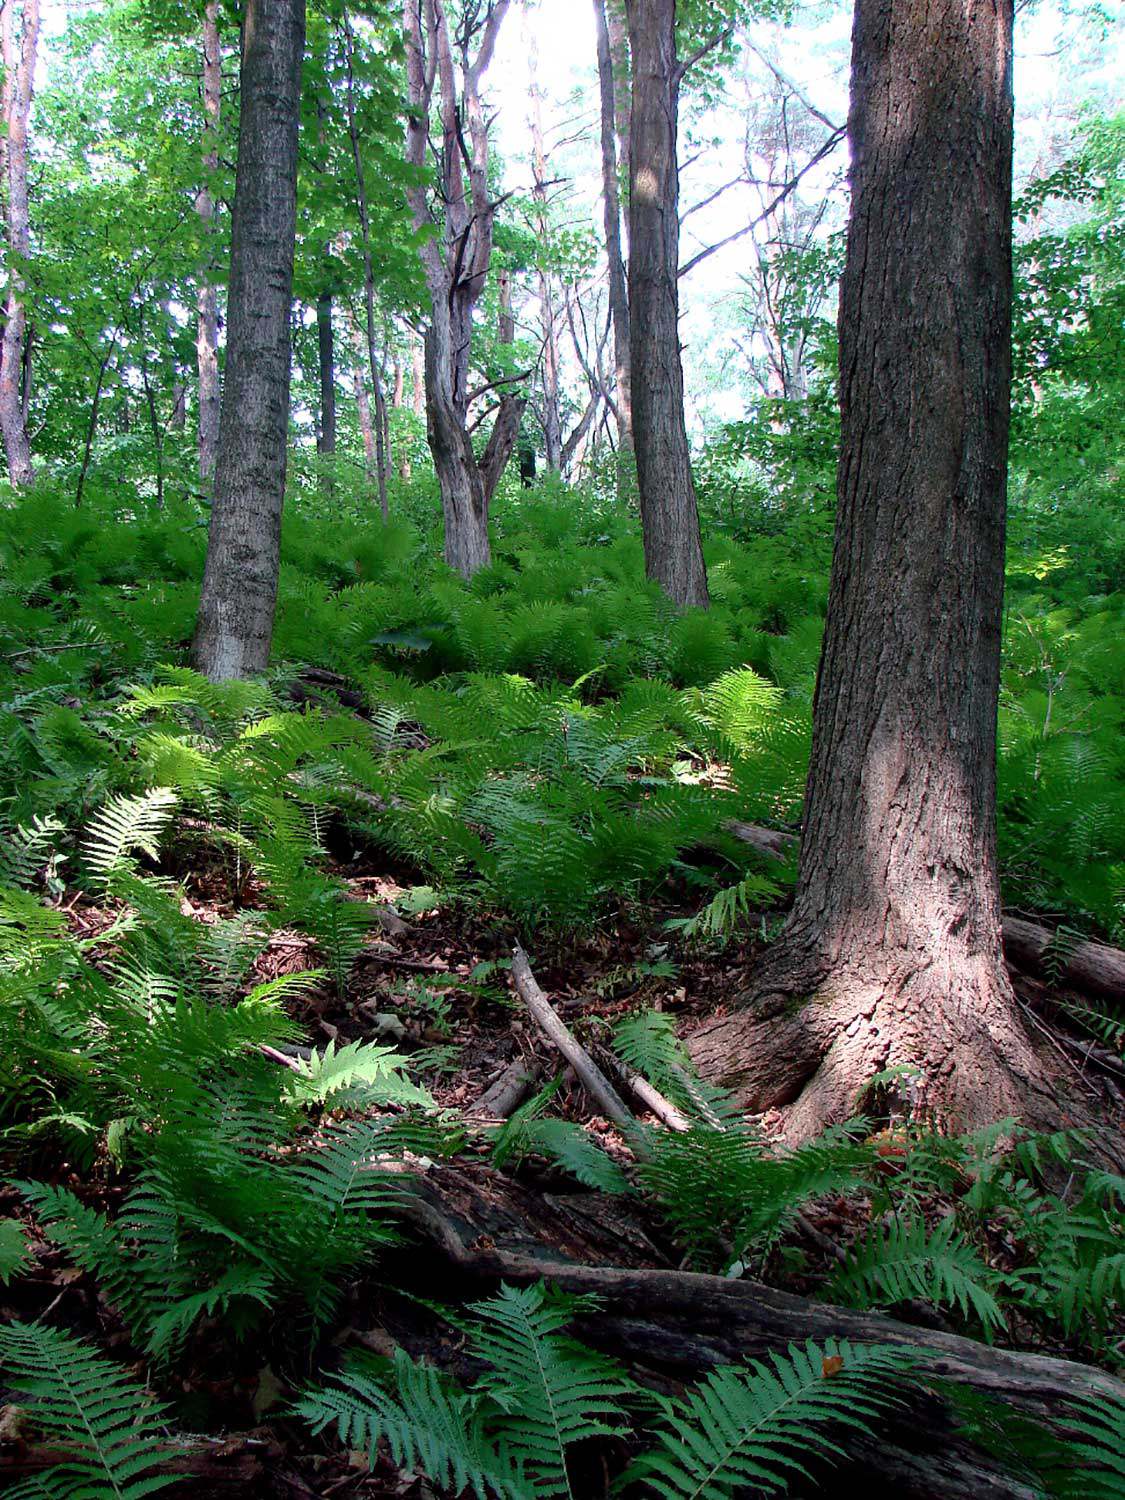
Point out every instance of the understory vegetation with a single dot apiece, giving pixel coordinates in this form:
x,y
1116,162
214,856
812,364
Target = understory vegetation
x,y
551,751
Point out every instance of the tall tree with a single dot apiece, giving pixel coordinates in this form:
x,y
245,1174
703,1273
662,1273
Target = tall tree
x,y
239,595
382,463
19,81
456,251
608,81
669,516
549,372
207,297
895,929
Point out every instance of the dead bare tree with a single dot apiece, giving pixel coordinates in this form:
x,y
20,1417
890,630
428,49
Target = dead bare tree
x,y
445,69
19,73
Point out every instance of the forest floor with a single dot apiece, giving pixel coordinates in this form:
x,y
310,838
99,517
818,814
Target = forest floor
x,y
436,985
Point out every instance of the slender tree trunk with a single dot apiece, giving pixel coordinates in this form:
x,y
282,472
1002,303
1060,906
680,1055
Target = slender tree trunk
x,y
552,414
368,270
669,517
618,283
20,73
398,403
207,299
418,379
326,346
895,930
456,255
239,595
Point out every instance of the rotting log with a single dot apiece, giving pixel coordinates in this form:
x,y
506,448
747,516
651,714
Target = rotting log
x,y
671,1326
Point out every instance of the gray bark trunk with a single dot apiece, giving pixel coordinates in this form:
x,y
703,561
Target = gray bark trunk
x,y
207,297
20,75
326,349
239,595
456,256
618,283
895,928
669,517
368,274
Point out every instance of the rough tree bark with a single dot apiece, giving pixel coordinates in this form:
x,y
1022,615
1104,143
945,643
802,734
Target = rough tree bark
x,y
669,517
618,283
892,953
19,73
207,297
456,256
239,594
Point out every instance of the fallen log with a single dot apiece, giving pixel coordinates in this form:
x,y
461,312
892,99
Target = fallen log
x,y
672,1326
506,1092
1095,968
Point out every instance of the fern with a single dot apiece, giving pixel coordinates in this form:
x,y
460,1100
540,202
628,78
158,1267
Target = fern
x,y
125,825
560,1392
14,1252
357,1071
106,1422
761,1427
426,1420
907,1260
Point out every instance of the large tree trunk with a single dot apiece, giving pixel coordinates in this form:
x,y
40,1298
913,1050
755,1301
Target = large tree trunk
x,y
19,71
239,595
669,518
618,284
207,297
894,937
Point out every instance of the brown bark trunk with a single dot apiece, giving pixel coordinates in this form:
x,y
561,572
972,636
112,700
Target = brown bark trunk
x,y
367,432
239,594
207,299
669,517
894,937
418,379
455,256
618,283
20,75
326,349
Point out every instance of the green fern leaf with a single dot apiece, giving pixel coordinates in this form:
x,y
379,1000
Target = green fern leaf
x,y
557,1392
104,1419
906,1260
758,1428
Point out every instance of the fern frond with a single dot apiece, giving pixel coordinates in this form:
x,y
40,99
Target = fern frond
x,y
104,1419
558,1392
907,1260
426,1419
759,1428
362,1069
125,825
14,1252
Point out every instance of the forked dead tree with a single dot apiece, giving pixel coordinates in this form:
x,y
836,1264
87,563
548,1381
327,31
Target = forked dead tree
x,y
445,69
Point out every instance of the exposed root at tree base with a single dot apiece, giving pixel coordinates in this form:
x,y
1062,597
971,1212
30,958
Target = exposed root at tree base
x,y
949,1048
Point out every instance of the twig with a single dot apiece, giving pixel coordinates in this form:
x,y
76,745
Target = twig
x,y
596,1084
